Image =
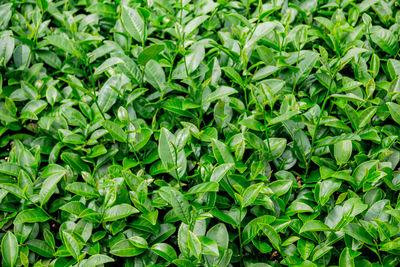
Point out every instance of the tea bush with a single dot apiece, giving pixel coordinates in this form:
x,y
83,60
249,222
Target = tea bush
x,y
199,133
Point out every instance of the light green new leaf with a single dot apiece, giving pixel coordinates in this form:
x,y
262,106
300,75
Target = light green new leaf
x,y
385,39
82,189
194,59
394,111
65,44
97,260
250,194
272,235
155,75
345,259
342,151
72,245
133,23
194,244
107,64
149,53
165,251
222,91
9,249
115,131
314,226
203,187
221,152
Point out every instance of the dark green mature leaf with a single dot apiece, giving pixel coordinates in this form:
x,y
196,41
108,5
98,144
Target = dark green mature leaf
x,y
118,212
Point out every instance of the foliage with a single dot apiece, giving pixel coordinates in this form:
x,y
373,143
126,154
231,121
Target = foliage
x,y
199,133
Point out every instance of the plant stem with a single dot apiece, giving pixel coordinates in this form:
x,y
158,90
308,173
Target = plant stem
x,y
94,88
240,237
318,121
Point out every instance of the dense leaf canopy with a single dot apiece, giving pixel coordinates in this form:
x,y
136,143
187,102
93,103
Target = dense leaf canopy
x,y
199,133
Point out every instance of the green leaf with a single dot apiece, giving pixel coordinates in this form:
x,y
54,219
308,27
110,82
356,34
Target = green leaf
x,y
203,187
139,242
394,111
98,259
115,131
222,91
167,151
9,249
124,248
10,168
280,187
220,172
283,117
385,40
252,124
52,174
155,75
194,59
250,194
342,151
133,23
65,44
232,74
149,53
119,212
358,233
209,246
221,152
178,202
107,64
260,31
72,245
314,226
31,216
272,235
345,259
194,244
43,5
40,247
165,251
82,189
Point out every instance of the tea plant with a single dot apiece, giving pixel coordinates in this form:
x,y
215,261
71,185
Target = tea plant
x,y
199,133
